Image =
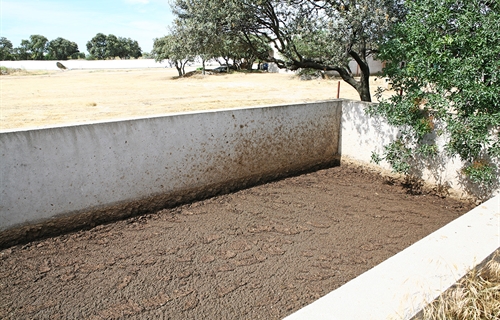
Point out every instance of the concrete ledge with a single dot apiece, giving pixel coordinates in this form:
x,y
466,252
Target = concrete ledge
x,y
401,286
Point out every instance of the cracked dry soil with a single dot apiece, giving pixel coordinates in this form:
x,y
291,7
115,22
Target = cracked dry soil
x,y
259,253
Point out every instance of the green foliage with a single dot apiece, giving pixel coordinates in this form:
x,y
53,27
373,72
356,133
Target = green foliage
x,y
33,49
38,46
108,47
320,35
445,58
147,55
308,74
129,48
6,49
97,46
174,47
213,31
78,55
480,172
61,49
397,154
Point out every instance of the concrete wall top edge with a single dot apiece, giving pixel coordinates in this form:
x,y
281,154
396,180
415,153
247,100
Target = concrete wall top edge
x,y
174,114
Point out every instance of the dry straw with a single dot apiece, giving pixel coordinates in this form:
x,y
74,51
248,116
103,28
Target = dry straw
x,y
476,296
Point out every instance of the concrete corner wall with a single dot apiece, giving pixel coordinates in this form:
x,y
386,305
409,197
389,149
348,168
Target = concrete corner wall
x,y
120,168
361,135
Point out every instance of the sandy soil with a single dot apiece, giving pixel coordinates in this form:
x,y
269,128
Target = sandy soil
x,y
260,253
81,96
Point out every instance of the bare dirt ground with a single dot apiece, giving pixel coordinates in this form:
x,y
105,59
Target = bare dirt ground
x,y
260,253
81,96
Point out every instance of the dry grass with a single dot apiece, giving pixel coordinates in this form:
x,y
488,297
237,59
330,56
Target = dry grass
x,y
476,296
82,96
4,71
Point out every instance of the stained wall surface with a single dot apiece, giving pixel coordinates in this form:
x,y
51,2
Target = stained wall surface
x,y
144,164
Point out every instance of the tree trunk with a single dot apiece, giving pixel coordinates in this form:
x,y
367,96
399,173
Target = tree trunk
x,y
364,87
227,63
250,64
183,67
203,66
179,68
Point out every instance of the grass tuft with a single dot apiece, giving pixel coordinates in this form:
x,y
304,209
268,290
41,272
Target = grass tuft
x,y
4,71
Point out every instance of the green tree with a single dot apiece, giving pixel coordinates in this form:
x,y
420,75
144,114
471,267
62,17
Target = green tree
x,y
23,52
128,48
61,49
97,46
38,46
174,48
321,35
78,55
445,60
134,49
33,49
111,46
6,49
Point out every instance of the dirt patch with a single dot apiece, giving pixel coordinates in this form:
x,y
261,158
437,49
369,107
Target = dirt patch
x,y
259,253
83,96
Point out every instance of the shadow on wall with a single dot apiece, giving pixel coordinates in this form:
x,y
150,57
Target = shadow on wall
x,y
483,193
362,135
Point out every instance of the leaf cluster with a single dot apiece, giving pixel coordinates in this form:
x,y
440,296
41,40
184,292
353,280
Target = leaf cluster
x,y
38,47
444,61
110,46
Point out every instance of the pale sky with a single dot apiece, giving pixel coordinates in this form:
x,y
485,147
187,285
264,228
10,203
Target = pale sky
x,y
80,20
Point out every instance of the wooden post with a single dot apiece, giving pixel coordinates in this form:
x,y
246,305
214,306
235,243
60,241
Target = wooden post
x,y
338,90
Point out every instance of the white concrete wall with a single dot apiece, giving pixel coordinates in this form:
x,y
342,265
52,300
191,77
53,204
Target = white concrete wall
x,y
361,135
67,170
375,66
84,64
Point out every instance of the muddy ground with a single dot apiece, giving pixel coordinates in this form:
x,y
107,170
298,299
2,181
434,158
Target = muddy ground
x,y
260,253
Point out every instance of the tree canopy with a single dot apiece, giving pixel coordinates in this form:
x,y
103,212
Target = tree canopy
x,y
61,49
445,60
39,47
175,47
32,49
108,47
6,49
322,35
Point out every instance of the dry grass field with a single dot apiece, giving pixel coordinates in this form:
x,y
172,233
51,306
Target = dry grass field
x,y
44,99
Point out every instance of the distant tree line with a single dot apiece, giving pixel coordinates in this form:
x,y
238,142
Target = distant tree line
x,y
109,47
99,47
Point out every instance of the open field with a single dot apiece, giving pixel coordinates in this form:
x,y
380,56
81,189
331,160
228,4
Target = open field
x,y
52,98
